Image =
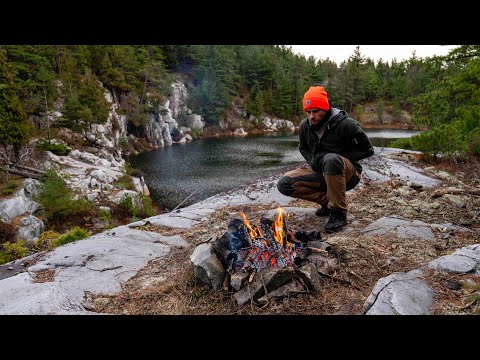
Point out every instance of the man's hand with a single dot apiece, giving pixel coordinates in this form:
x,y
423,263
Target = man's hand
x,y
315,162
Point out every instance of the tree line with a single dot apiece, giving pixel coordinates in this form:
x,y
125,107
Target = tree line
x,y
442,92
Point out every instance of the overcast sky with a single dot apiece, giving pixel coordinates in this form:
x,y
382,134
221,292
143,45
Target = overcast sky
x,y
387,53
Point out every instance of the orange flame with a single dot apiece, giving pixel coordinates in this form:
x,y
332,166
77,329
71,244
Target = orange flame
x,y
262,252
278,226
251,231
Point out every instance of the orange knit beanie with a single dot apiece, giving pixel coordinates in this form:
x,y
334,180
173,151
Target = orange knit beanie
x,y
315,98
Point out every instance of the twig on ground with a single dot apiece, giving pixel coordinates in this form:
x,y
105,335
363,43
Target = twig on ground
x,y
188,197
346,282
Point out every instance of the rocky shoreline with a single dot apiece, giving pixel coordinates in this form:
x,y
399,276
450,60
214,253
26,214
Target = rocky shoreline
x,y
396,253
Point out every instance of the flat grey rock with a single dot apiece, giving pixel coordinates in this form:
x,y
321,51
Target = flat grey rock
x,y
403,228
400,294
100,264
20,296
464,260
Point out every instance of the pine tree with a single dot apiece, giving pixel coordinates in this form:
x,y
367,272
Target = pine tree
x,y
14,131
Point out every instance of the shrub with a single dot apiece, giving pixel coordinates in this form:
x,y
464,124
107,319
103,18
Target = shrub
x,y
136,172
75,234
57,199
147,208
124,182
5,258
16,249
126,203
57,149
359,110
45,240
402,143
196,133
123,142
127,168
9,188
104,215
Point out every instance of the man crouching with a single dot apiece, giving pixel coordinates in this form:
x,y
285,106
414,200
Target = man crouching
x,y
332,143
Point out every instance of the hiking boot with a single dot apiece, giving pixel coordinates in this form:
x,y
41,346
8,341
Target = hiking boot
x,y
337,220
323,211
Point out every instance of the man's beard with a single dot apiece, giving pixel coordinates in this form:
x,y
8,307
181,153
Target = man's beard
x,y
318,125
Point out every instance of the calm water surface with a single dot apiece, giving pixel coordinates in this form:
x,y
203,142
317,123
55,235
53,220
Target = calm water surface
x,y
207,167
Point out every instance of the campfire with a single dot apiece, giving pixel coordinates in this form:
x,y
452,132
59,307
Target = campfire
x,y
251,250
263,262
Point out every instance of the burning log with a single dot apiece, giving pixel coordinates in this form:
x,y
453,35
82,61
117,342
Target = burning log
x,y
248,249
228,247
266,226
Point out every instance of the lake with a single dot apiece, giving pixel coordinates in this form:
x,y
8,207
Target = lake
x,y
206,167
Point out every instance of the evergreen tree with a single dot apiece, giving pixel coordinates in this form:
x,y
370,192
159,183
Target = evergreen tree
x,y
215,82
14,131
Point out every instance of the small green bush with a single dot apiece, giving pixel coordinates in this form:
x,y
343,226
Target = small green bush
x,y
57,199
126,202
9,188
124,182
123,142
16,249
402,143
45,240
147,208
57,149
137,173
75,234
196,133
5,258
104,215
127,168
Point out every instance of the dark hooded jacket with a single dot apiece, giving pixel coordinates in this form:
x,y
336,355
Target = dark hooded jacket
x,y
337,133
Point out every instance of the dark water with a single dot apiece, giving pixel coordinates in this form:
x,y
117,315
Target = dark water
x,y
211,166
207,167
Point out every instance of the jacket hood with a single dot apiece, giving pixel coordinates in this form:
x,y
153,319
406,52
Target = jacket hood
x,y
336,116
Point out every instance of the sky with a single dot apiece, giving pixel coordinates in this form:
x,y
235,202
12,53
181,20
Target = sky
x,y
387,53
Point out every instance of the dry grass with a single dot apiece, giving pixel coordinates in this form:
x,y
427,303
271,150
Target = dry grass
x,y
43,276
168,286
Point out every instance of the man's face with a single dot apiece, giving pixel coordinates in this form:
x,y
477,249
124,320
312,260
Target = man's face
x,y
315,115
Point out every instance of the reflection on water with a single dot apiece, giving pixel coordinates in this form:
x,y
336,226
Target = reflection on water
x,y
390,133
383,137
206,167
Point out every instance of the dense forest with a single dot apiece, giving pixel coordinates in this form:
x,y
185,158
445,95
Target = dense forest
x,y
442,93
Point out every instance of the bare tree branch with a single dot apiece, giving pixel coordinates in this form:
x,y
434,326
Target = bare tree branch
x,y
20,172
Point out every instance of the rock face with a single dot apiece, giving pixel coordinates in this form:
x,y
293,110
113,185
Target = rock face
x,y
30,229
21,203
94,177
171,115
98,264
